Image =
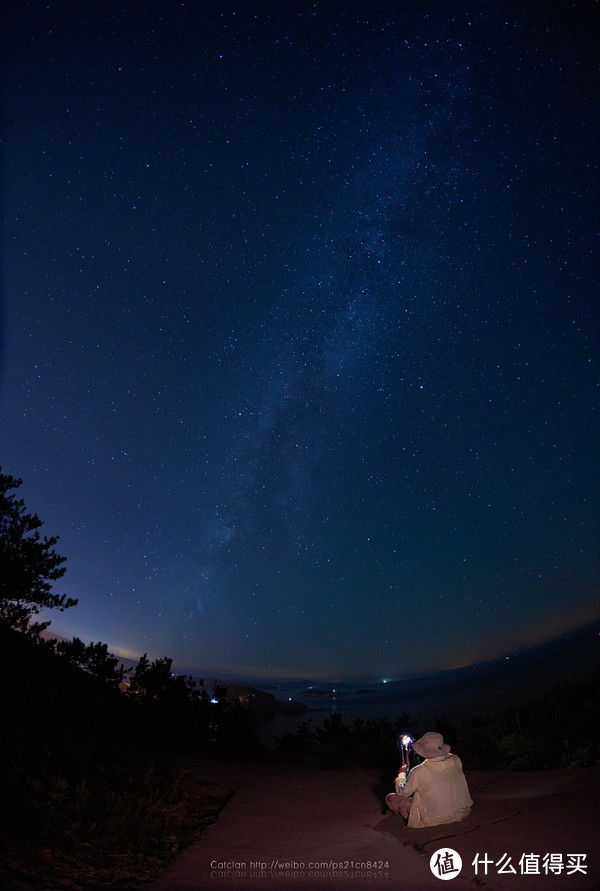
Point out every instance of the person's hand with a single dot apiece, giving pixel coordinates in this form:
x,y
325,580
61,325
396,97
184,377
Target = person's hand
x,y
403,769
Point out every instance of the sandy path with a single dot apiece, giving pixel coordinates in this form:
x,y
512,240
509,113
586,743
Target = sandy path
x,y
311,829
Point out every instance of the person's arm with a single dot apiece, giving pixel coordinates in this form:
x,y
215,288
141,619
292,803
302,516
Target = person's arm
x,y
409,784
401,778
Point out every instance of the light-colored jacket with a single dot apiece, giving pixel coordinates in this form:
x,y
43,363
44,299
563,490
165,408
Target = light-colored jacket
x,y
439,792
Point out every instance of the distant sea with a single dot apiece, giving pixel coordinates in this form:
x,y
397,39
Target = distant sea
x,y
478,689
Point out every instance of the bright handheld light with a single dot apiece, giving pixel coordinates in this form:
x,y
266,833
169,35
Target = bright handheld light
x,y
404,744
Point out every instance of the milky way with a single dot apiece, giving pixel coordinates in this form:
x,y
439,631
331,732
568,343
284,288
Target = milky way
x,y
300,331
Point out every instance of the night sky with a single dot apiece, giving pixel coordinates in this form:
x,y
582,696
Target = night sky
x,y
300,326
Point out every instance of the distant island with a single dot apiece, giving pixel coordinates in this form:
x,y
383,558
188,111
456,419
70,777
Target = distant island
x,y
262,703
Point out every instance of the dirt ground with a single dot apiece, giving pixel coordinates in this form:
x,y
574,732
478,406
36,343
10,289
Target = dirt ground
x,y
311,829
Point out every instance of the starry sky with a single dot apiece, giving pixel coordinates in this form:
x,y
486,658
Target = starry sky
x,y
300,326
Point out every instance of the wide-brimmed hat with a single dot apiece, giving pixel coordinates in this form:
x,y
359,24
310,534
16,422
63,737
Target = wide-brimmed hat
x,y
431,745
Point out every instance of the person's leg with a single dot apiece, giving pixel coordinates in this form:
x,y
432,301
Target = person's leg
x,y
398,804
404,807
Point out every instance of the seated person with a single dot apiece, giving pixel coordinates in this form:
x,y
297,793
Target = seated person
x,y
433,792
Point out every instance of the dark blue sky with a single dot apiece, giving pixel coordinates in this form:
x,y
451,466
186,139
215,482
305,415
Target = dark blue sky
x,y
300,326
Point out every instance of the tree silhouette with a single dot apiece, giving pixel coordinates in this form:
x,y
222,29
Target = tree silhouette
x,y
28,564
152,680
94,659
